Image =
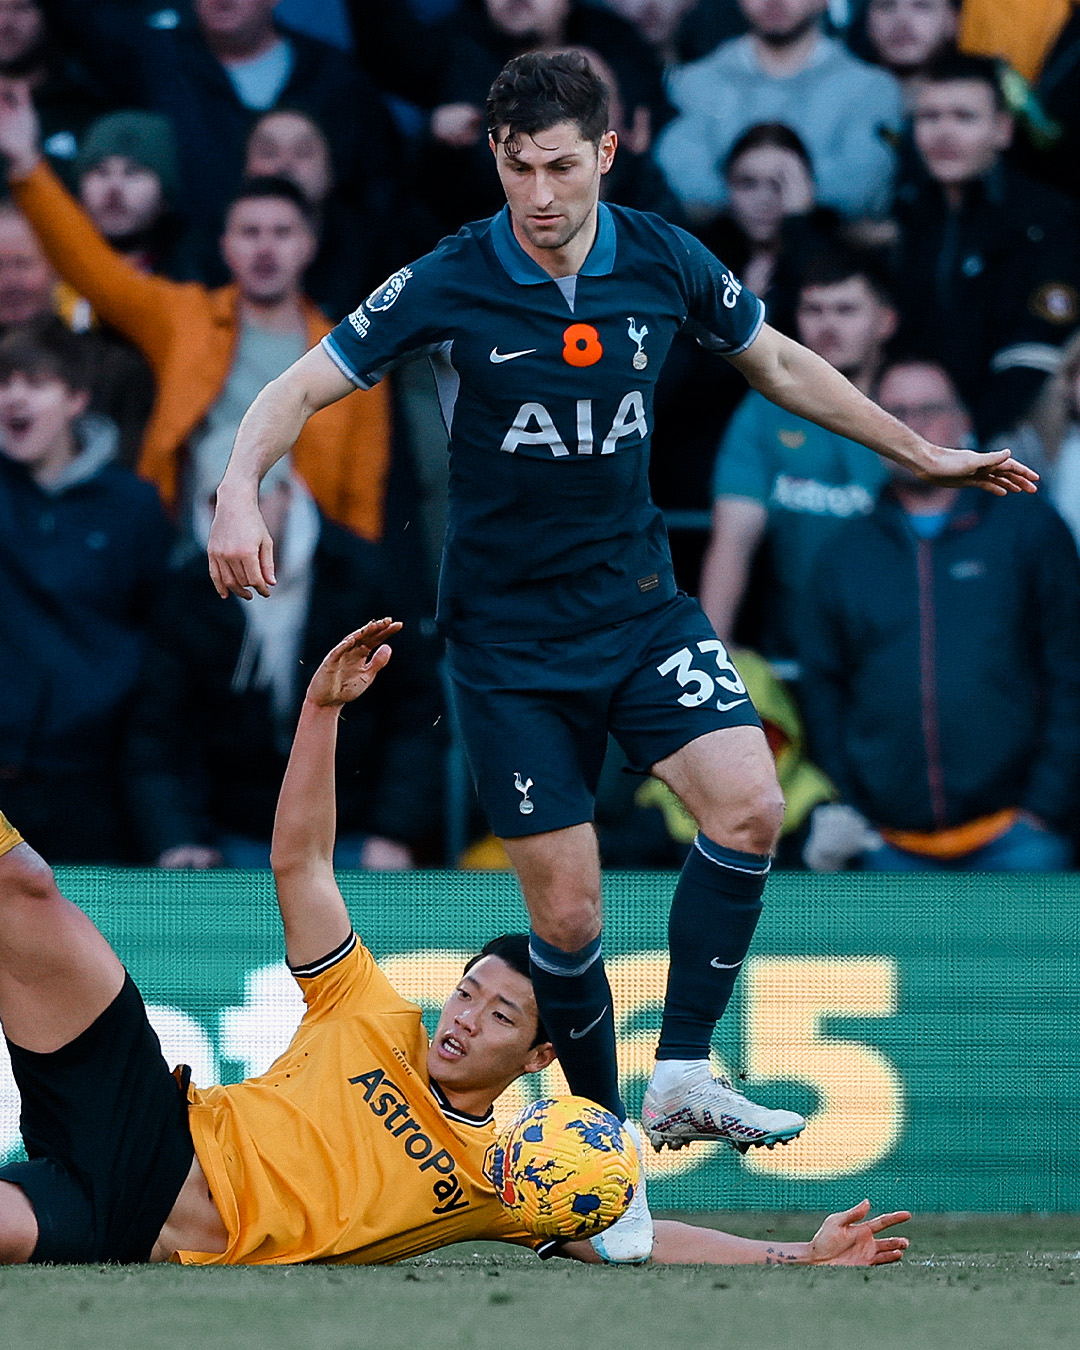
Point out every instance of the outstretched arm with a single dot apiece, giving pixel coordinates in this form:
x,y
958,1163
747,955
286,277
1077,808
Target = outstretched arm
x,y
805,384
241,553
302,849
846,1239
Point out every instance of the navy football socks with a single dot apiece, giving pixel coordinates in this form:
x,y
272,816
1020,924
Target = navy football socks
x,y
713,916
574,1000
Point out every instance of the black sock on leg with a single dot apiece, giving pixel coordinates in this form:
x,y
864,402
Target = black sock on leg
x,y
574,1000
714,912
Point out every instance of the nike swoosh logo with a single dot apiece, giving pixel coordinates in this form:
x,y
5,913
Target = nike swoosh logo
x,y
577,1035
727,707
718,965
497,358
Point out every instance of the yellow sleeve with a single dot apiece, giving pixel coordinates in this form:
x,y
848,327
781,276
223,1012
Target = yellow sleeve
x,y
9,835
345,982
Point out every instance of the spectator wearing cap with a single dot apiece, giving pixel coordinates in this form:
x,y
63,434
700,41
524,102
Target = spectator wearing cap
x,y
127,182
212,351
82,546
784,70
940,643
988,261
223,685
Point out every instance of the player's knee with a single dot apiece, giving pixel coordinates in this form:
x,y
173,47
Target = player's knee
x,y
18,1226
568,916
25,875
752,824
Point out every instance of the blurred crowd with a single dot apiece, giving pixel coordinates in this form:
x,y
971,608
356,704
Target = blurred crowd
x,y
198,191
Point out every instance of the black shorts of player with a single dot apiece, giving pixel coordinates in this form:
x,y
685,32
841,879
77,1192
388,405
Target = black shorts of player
x,y
535,715
105,1126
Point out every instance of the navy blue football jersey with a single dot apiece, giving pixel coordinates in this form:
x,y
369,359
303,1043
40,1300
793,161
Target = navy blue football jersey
x,y
547,391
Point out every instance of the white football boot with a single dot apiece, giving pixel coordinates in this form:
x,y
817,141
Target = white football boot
x,y
629,1240
684,1102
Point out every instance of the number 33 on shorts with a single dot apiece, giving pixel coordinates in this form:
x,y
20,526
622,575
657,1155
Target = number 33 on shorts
x,y
701,685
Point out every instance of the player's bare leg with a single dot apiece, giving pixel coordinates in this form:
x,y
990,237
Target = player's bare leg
x,y
727,781
57,975
560,878
57,972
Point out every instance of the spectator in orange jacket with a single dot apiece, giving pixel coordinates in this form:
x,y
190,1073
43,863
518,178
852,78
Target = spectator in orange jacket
x,y
212,350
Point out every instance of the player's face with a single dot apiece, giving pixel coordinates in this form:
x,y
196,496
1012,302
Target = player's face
x,y
923,398
485,1035
846,323
907,33
958,129
552,182
289,145
36,413
122,196
267,245
26,279
782,19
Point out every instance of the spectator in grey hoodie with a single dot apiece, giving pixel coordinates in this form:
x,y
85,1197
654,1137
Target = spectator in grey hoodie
x,y
784,70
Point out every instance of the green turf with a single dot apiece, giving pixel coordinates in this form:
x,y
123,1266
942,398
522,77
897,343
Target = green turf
x,y
970,1283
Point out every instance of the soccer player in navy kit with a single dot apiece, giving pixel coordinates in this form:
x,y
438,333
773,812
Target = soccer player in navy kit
x,y
546,327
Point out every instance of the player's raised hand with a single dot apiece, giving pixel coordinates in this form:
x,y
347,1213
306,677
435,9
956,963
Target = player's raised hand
x,y
20,132
240,551
353,664
995,471
851,1239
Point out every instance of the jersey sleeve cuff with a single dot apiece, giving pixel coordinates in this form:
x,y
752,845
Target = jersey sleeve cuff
x,y
330,348
758,325
309,970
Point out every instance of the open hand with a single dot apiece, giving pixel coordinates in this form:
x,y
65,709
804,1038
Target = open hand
x,y
850,1239
353,664
995,472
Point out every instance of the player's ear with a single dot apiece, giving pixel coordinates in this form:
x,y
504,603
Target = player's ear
x,y
609,143
540,1056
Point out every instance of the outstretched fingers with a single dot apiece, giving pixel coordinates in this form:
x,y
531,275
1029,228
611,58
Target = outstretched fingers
x,y
889,1250
884,1221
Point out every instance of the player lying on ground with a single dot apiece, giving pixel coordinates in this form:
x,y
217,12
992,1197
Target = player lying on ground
x,y
547,327
362,1143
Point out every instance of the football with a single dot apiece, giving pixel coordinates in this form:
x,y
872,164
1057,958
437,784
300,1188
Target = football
x,y
564,1168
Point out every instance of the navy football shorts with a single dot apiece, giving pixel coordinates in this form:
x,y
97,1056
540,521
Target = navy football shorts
x,y
535,715
106,1130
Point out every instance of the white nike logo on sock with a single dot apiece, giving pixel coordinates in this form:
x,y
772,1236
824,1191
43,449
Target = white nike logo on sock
x,y
719,965
577,1035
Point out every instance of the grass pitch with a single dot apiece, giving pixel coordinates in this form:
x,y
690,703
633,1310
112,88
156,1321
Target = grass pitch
x,y
978,1281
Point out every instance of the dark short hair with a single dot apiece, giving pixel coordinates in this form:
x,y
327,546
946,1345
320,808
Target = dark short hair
x,y
952,67
539,90
513,950
47,349
834,266
270,187
774,135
